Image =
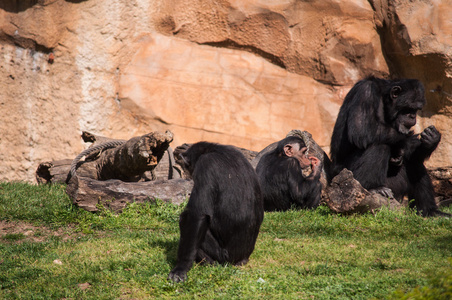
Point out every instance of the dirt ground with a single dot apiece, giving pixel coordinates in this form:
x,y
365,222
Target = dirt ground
x,y
29,232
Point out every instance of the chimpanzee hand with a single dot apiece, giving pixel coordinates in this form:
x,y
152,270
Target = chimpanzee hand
x,y
384,191
177,275
430,137
396,160
316,166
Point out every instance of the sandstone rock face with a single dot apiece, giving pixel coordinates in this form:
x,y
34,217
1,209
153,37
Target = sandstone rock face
x,y
231,96
234,72
417,37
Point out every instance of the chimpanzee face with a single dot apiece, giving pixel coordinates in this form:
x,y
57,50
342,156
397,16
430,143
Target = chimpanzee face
x,y
405,120
402,102
299,152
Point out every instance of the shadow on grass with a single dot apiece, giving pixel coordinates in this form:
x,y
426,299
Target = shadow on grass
x,y
170,248
442,243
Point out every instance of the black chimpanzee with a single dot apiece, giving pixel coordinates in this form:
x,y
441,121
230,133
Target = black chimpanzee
x,y
282,181
222,219
372,138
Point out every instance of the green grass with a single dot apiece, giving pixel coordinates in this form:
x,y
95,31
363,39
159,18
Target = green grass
x,y
74,254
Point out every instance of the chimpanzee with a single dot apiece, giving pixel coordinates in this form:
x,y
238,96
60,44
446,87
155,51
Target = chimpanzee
x,y
372,138
282,181
222,219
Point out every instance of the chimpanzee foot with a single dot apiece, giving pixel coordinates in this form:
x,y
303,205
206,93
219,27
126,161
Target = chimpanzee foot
x,y
437,213
177,275
242,262
384,191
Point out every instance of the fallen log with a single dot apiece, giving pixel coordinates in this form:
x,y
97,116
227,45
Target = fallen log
x,y
164,169
442,183
53,171
346,195
148,157
58,171
127,161
91,194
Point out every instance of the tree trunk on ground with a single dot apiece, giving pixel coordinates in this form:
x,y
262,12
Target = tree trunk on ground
x,y
346,195
145,158
137,159
54,171
115,194
442,183
128,161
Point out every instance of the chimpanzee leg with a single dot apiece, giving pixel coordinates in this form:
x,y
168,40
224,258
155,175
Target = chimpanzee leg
x,y
422,190
210,250
315,195
203,258
193,229
371,167
398,182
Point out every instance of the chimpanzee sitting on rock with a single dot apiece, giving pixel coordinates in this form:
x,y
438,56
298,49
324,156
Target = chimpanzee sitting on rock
x,y
280,173
372,138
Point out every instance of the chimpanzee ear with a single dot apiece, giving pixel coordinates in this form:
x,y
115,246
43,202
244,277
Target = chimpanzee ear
x,y
395,91
288,150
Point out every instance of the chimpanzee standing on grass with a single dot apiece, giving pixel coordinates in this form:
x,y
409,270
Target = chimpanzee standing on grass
x,y
280,173
222,219
372,138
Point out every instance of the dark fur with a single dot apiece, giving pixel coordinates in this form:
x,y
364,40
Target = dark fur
x,y
282,182
371,140
222,219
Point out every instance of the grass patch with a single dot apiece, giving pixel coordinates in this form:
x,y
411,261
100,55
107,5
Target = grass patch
x,y
13,236
66,252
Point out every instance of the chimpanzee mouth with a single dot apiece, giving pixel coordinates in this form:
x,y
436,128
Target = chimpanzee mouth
x,y
404,130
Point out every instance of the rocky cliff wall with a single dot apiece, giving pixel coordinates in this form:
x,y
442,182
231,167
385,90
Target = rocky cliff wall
x,y
235,72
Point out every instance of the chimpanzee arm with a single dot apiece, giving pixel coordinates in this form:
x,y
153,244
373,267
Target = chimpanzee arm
x,y
420,148
304,192
193,225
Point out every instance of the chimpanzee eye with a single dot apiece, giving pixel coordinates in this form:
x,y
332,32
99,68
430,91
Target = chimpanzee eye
x,y
395,91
